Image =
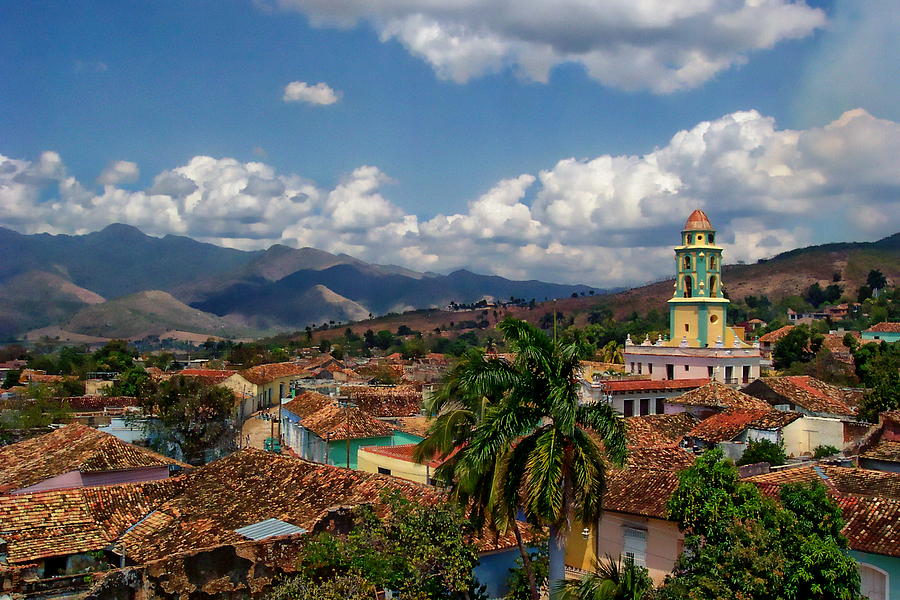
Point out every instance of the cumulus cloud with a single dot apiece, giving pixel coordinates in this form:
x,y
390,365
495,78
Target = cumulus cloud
x,y
118,172
606,220
659,45
319,94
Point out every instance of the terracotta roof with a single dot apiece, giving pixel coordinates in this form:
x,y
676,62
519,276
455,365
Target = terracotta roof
x,y
719,395
885,450
211,376
64,522
404,452
414,425
263,374
658,430
99,402
869,501
345,423
641,492
805,391
307,403
670,458
250,486
697,221
885,327
386,401
774,336
651,385
71,448
727,425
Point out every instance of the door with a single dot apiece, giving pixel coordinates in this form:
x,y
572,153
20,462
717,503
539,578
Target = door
x,y
670,372
873,582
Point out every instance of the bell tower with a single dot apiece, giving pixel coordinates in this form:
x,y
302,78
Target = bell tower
x,y
698,308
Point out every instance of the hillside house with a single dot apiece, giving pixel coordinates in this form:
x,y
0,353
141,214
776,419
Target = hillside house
x,y
245,392
271,383
398,461
637,397
884,331
767,342
880,449
77,456
870,503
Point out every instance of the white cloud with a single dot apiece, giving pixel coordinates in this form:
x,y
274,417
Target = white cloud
x,y
320,93
660,45
607,220
118,172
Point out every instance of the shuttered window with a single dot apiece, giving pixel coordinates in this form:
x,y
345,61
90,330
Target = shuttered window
x,y
635,545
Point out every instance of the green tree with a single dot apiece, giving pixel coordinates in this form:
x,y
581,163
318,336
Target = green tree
x,y
190,417
344,587
422,552
740,544
534,438
877,367
133,382
876,280
612,579
11,379
115,355
799,345
825,450
815,295
763,450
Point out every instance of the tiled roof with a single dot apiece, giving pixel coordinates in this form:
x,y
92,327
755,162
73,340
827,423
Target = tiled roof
x,y
671,458
307,403
774,336
725,426
386,401
250,486
211,376
651,385
345,423
71,448
885,450
775,419
869,501
885,327
641,492
719,395
697,221
805,391
658,430
405,452
99,402
64,522
263,374
414,425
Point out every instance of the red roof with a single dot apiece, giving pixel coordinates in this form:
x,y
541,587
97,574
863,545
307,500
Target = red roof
x,y
698,221
214,376
649,385
405,452
885,327
774,336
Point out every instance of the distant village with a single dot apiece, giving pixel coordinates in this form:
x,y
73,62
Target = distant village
x,y
228,471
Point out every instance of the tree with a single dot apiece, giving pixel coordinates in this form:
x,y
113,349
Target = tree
x,y
877,367
763,450
115,356
11,379
815,295
612,579
876,280
799,345
133,382
344,587
534,439
740,544
422,552
191,417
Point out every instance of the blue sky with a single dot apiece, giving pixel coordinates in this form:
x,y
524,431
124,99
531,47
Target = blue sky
x,y
446,116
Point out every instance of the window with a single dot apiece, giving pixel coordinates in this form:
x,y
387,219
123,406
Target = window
x,y
634,545
383,471
712,238
687,368
688,287
629,408
670,371
745,374
632,368
660,406
640,366
687,261
873,582
650,368
713,282
645,406
712,261
710,371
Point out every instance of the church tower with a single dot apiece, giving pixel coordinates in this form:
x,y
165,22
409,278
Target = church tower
x,y
698,309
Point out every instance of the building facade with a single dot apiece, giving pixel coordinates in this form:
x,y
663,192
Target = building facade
x,y
700,343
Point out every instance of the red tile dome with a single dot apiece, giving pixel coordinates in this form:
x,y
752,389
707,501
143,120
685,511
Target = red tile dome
x,y
698,221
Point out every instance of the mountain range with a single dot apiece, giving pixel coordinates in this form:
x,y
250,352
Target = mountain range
x,y
119,282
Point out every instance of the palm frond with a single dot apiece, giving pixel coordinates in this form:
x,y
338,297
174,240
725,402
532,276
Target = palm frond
x,y
609,426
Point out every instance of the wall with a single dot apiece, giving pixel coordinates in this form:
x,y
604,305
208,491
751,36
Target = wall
x,y
127,430
493,571
72,479
663,541
803,435
369,462
879,465
888,564
580,552
337,451
692,365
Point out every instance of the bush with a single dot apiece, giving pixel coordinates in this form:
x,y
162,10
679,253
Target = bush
x,y
824,451
763,451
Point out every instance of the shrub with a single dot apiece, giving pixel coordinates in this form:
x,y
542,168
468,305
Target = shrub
x,y
824,451
763,451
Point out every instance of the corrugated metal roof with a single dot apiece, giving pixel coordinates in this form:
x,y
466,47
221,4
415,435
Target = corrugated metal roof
x,y
268,528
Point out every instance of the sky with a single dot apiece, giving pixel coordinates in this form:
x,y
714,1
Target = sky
x,y
562,140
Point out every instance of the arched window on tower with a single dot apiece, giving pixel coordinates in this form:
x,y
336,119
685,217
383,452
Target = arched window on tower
x,y
712,238
688,287
712,262
713,286
687,261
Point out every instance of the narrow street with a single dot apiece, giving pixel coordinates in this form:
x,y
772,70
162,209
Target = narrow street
x,y
256,429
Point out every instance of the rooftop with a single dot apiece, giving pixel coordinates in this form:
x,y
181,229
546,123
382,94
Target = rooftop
x,y
263,374
886,450
345,423
211,376
651,385
658,430
414,425
774,336
71,448
405,452
698,221
386,401
636,491
885,327
807,392
719,395
307,403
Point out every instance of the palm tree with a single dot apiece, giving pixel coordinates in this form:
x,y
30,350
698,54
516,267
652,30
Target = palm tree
x,y
536,448
611,580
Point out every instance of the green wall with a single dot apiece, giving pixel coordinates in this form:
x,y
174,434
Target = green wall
x,y
337,451
890,564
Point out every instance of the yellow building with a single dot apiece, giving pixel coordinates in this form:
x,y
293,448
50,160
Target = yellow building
x,y
700,342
